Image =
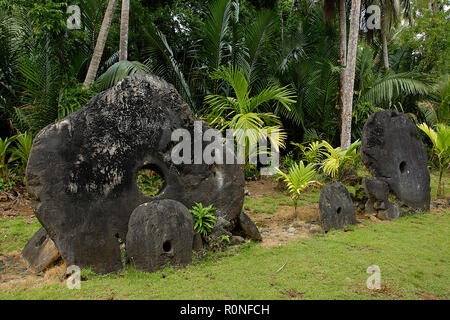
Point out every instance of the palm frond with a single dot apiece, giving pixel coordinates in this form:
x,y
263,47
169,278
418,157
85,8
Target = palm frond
x,y
118,71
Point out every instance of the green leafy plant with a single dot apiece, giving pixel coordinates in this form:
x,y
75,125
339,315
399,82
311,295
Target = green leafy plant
x,y
6,185
204,218
5,159
313,152
21,151
298,178
149,182
225,239
441,147
244,113
338,160
288,160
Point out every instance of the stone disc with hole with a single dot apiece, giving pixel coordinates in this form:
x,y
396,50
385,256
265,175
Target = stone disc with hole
x,y
393,151
336,207
82,170
160,233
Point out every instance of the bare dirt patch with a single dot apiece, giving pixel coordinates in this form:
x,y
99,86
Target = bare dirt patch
x,y
14,273
293,294
15,204
281,227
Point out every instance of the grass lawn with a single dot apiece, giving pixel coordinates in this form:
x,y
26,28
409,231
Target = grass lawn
x,y
412,253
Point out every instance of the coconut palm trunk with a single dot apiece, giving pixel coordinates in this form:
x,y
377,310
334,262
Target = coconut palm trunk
x,y
384,29
343,48
385,50
100,45
348,86
124,22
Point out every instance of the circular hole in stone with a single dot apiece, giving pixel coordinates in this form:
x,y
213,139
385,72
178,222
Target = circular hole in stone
x,y
167,246
402,166
339,210
150,180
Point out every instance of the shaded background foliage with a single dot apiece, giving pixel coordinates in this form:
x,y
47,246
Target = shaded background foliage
x,y
285,43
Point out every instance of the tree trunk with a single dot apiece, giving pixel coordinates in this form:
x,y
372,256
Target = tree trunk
x,y
124,21
385,46
100,45
346,120
441,171
343,50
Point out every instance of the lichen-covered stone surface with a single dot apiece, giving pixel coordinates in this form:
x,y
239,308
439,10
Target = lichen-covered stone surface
x,y
82,170
336,207
393,152
160,233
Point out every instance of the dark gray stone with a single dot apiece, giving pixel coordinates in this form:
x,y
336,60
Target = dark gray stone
x,y
393,151
377,189
380,205
236,240
82,170
40,252
160,233
198,242
249,227
369,207
336,207
392,212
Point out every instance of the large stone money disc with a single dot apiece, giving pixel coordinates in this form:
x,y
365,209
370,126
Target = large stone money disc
x,y
82,170
393,151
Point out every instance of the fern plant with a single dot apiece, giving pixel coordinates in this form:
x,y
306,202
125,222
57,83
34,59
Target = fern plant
x,y
338,160
441,146
204,218
298,178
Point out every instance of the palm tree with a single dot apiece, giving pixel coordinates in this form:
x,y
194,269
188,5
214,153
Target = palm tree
x,y
342,48
349,77
391,15
100,45
244,114
298,178
124,20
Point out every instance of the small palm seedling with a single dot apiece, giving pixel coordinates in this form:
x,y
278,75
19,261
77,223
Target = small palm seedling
x,y
298,179
441,147
204,218
337,160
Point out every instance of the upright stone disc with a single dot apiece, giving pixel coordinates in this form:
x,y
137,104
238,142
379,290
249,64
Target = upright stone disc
x,y
392,150
160,233
336,207
82,170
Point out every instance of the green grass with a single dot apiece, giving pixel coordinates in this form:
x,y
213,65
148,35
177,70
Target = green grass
x,y
270,202
15,233
412,253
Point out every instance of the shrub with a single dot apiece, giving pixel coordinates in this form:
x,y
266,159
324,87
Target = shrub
x,y
441,147
204,218
298,179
